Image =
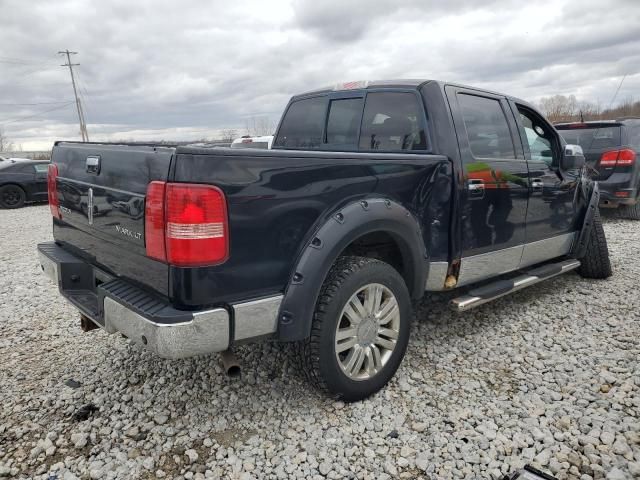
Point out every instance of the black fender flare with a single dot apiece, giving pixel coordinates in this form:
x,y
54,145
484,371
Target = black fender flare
x,y
334,235
579,248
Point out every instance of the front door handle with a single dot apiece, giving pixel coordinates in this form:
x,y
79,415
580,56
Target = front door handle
x,y
476,188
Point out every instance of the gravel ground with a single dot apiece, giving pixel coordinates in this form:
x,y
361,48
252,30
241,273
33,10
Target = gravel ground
x,y
548,376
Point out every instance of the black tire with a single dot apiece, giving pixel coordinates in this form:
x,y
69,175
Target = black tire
x,y
596,262
629,212
318,355
12,196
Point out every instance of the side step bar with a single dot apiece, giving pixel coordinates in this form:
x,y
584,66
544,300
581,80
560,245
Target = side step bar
x,y
500,288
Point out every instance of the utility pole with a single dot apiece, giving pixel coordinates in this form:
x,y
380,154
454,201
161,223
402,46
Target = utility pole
x,y
83,124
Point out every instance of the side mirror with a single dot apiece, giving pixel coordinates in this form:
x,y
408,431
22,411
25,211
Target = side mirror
x,y
572,158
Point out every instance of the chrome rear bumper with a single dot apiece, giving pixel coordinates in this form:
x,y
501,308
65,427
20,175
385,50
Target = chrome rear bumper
x,y
115,306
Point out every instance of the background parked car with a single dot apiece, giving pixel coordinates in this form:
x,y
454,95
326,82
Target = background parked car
x,y
264,141
611,147
22,181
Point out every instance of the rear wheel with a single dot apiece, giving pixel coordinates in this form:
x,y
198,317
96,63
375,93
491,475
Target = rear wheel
x,y
629,212
360,329
12,196
596,262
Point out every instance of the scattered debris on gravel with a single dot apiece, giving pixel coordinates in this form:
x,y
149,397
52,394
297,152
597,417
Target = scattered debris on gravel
x,y
549,376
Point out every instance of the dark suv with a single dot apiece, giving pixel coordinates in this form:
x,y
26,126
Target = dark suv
x,y
611,148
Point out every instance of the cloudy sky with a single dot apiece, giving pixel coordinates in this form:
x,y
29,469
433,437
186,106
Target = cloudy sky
x,y
153,69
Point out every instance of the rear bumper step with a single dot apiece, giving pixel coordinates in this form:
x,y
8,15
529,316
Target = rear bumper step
x,y
500,288
117,306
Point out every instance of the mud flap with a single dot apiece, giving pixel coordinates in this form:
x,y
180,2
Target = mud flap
x,y
580,245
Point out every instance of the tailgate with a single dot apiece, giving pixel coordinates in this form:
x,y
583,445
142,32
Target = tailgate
x,y
101,190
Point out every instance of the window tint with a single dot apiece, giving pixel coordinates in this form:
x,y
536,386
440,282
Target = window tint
x,y
392,121
487,127
344,121
302,124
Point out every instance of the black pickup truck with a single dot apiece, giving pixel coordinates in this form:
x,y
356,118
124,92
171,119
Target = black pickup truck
x,y
373,193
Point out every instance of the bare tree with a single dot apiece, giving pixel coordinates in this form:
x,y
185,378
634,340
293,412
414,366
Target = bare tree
x,y
567,109
5,144
262,125
559,108
229,134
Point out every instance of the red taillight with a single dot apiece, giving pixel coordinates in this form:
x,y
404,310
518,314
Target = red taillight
x,y
623,157
52,193
186,224
154,221
609,159
626,157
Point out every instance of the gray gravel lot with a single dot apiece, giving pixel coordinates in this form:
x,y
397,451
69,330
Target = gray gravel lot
x,y
549,376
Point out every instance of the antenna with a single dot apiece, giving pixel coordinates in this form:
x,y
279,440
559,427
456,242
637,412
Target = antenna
x,y
83,124
608,108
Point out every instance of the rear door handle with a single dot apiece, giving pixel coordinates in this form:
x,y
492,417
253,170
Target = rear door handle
x,y
476,188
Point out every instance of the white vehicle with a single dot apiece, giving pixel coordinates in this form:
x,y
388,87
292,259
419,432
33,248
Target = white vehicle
x,y
264,141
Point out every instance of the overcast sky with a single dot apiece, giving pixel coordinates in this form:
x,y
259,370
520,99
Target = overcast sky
x,y
151,69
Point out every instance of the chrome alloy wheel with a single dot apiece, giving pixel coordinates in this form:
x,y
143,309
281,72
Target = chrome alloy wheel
x,y
367,331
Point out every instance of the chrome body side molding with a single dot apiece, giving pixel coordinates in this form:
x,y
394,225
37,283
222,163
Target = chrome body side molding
x,y
486,265
536,252
256,318
437,276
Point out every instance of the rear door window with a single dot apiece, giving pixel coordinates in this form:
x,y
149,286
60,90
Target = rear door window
x,y
487,127
302,124
392,121
344,121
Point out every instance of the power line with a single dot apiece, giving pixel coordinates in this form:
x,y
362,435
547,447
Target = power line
x,y
32,104
22,61
617,90
38,114
83,125
84,94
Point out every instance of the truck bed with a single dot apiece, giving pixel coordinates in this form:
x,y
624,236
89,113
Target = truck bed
x,y
275,200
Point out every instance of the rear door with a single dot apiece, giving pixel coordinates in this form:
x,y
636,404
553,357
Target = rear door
x,y
494,203
552,211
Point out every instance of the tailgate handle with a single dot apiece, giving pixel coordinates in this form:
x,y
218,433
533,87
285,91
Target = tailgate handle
x,y
93,164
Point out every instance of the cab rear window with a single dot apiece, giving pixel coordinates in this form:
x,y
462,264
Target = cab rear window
x,y
302,124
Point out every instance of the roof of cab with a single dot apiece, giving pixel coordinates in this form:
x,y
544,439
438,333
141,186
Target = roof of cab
x,y
364,84
397,83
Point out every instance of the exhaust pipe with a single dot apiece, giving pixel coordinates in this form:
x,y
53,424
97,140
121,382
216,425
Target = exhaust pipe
x,y
230,363
86,324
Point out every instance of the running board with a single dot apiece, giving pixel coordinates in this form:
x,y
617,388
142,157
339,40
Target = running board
x,y
500,288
